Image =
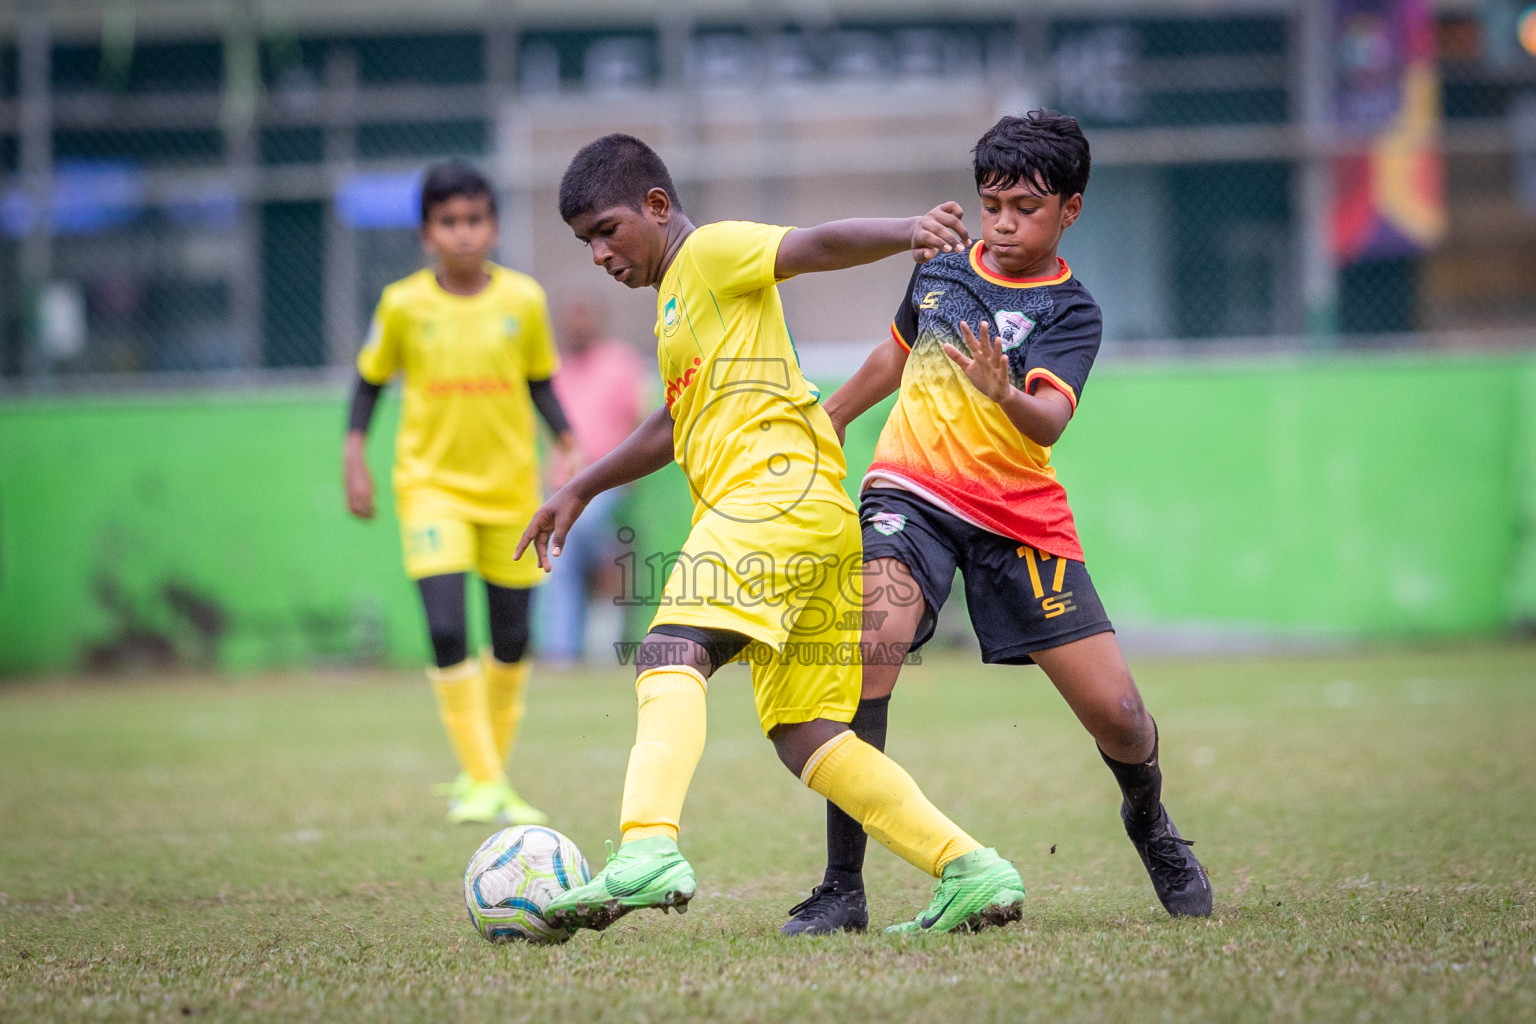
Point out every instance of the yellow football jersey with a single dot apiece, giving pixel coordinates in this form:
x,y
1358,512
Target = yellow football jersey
x,y
748,429
467,436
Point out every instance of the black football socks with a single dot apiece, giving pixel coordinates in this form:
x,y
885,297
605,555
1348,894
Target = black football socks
x,y
846,840
1142,785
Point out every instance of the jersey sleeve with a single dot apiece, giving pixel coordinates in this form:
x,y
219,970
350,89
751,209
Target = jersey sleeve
x,y
380,356
1063,353
537,339
904,324
737,257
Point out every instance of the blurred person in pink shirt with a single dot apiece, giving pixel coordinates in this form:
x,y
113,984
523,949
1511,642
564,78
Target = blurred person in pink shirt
x,y
602,385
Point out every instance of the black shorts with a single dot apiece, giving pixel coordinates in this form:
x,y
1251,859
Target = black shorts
x,y
1021,600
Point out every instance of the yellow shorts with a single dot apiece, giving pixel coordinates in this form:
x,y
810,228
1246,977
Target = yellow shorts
x,y
792,584
438,541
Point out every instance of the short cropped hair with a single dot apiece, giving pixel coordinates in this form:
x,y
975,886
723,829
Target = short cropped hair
x,y
615,170
1041,149
455,178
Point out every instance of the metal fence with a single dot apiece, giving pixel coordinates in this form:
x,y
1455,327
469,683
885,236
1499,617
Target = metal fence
x,y
232,197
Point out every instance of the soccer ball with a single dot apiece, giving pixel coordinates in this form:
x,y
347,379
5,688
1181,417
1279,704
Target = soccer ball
x,y
512,878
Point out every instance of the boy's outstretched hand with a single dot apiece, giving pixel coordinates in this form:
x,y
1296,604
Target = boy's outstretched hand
x,y
359,481
549,525
940,230
989,369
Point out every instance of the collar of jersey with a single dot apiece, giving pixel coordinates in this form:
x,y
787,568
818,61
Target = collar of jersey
x,y
491,269
1017,282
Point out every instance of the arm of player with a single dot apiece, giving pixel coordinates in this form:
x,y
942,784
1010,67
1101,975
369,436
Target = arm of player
x,y
640,454
850,243
359,481
567,454
878,377
1040,417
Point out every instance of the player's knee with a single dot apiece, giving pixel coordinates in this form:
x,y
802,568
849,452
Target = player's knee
x,y
508,609
450,645
509,644
790,756
1126,723
509,652
796,742
660,650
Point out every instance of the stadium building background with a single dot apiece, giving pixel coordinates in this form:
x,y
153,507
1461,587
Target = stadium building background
x,y
1291,439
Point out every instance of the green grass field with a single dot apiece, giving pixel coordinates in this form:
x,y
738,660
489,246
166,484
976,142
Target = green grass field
x,y
268,848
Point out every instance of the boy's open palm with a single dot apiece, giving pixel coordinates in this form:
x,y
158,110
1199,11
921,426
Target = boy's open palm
x,y
989,369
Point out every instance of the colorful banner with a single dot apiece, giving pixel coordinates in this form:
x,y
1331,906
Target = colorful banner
x,y
1389,194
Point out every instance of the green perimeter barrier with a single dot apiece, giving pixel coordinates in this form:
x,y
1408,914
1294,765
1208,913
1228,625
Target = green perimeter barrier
x,y
1312,498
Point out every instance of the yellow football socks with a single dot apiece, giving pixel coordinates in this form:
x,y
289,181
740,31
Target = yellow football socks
x,y
878,793
669,740
460,693
504,687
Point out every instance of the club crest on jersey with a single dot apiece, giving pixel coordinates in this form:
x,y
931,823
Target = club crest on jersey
x,y
887,523
670,317
510,324
1012,328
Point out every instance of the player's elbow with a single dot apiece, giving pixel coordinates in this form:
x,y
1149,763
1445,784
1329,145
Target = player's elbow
x,y
1043,416
1042,431
1050,433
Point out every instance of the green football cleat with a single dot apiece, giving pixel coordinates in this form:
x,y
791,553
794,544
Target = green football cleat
x,y
468,804
977,890
645,873
456,789
480,803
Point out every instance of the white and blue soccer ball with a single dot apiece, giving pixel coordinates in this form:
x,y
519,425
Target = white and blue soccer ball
x,y
513,877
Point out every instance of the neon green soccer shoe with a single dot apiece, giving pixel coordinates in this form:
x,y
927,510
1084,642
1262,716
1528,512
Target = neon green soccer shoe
x,y
479,802
493,802
645,873
977,890
456,789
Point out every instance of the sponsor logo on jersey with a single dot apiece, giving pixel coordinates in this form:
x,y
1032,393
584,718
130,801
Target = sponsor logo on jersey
x,y
510,324
887,523
1012,328
443,386
678,385
931,300
671,316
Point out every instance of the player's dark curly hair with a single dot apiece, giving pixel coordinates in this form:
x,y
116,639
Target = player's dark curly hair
x,y
1041,149
616,170
455,178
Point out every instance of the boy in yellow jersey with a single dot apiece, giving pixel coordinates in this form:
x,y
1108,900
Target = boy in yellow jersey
x,y
775,540
991,348
473,342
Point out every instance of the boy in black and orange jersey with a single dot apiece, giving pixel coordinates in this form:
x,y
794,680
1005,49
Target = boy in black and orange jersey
x,y
962,478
